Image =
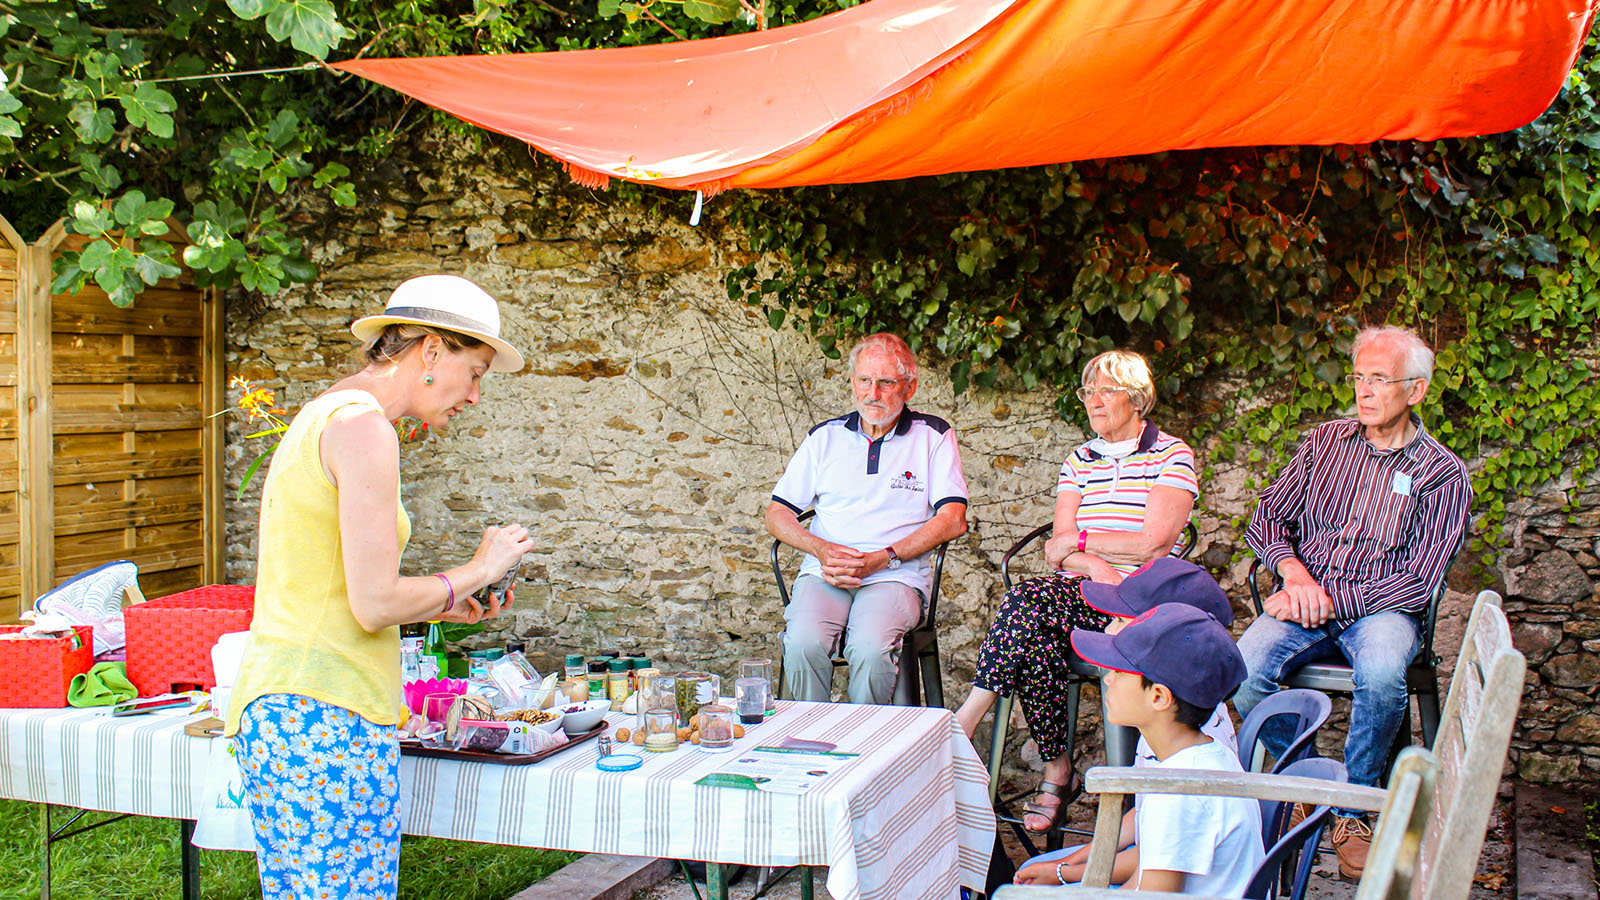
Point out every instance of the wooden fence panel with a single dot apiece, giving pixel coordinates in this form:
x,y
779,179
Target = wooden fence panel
x,y
11,246
107,446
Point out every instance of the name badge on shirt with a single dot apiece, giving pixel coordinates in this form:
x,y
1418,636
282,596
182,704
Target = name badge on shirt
x,y
1402,484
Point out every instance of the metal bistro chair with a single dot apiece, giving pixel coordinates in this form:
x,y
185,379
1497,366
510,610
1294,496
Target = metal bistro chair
x,y
1422,677
920,678
1120,741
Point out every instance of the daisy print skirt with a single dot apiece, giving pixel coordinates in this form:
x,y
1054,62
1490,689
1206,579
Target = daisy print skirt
x,y
322,786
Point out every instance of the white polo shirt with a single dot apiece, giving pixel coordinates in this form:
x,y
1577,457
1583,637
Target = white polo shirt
x,y
869,494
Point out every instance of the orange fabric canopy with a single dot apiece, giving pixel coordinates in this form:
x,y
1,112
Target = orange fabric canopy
x,y
901,88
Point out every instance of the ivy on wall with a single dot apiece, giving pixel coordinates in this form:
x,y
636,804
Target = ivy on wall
x,y
1244,274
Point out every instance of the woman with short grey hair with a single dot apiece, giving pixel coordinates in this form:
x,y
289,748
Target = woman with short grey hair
x,y
1122,500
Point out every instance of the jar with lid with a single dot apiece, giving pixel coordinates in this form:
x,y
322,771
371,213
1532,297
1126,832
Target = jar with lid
x,y
617,682
597,678
638,664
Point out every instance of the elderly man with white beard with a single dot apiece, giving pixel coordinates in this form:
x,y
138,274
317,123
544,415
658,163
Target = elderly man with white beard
x,y
887,488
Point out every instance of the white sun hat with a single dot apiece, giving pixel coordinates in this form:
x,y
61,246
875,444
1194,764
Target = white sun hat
x,y
448,302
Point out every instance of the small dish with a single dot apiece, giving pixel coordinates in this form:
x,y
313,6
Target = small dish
x,y
578,718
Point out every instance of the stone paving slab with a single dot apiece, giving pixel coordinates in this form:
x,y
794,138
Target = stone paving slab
x,y
1553,857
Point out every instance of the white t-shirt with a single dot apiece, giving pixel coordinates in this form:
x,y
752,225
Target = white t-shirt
x,y
1219,728
1216,840
869,494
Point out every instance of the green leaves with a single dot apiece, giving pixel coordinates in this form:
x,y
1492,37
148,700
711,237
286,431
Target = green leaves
x,y
148,107
311,26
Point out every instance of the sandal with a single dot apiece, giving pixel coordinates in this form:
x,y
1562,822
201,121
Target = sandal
x,y
1052,813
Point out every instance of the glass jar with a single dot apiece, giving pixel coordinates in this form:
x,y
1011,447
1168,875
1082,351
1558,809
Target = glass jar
x,y
750,698
597,678
661,730
658,692
761,667
696,689
716,728
575,667
617,682
515,676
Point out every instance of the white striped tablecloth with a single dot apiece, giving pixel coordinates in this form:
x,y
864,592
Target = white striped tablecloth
x,y
909,819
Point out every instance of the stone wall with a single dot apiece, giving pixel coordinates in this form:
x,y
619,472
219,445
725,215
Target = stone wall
x,y
641,442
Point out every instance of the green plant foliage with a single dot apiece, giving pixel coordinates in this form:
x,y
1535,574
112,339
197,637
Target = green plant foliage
x,y
1243,273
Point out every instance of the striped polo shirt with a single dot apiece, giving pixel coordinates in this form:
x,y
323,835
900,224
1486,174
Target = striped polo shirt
x,y
1113,492
868,493
1375,527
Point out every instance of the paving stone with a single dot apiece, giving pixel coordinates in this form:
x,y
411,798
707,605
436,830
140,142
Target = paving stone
x,y
1553,859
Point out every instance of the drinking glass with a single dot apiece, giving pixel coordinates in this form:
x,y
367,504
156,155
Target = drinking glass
x,y
750,696
761,667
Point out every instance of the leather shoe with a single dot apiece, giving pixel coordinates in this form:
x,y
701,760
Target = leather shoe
x,y
1352,838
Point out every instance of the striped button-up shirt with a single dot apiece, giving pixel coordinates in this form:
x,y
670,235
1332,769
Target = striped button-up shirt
x,y
1376,528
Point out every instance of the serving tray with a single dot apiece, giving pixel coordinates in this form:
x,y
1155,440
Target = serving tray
x,y
502,759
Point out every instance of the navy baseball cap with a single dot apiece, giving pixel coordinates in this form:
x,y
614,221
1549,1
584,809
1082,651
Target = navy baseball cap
x,y
1173,644
1166,580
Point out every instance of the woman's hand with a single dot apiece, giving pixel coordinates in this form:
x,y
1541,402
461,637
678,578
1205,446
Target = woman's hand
x,y
1100,570
501,548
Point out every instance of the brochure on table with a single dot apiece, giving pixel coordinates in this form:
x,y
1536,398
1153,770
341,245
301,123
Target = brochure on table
x,y
780,770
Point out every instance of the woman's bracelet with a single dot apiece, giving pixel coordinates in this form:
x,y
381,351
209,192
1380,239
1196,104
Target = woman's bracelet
x,y
1060,877
1083,540
451,600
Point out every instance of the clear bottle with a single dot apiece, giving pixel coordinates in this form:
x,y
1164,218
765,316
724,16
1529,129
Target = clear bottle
x,y
410,659
434,661
479,682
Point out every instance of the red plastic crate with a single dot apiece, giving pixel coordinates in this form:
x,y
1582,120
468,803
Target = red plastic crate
x,y
170,638
37,672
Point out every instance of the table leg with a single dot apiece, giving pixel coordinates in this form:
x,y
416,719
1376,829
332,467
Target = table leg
x,y
188,859
716,881
44,851
808,887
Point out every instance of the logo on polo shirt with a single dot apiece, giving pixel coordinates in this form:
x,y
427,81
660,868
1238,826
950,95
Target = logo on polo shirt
x,y
907,481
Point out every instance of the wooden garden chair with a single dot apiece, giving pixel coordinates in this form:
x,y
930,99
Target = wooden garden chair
x,y
1432,818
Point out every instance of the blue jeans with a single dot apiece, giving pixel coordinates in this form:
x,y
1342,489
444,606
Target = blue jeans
x,y
1378,647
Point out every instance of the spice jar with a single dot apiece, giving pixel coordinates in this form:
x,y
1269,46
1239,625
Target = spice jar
x,y
597,678
661,730
617,682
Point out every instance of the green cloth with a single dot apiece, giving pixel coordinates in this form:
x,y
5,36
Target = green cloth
x,y
103,685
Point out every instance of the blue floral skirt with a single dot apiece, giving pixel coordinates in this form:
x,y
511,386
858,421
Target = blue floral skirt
x,y
323,788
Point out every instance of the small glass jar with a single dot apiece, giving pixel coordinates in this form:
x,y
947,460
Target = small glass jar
x,y
660,692
716,728
661,730
761,667
750,698
696,689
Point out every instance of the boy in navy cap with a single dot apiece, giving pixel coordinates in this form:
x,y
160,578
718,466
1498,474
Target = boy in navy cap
x,y
1168,669
1165,580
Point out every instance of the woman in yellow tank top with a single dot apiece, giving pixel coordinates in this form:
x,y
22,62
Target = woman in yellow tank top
x,y
317,697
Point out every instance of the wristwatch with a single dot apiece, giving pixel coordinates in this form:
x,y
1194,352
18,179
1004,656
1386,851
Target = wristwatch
x,y
894,558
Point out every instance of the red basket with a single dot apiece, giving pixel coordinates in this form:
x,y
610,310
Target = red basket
x,y
170,638
37,672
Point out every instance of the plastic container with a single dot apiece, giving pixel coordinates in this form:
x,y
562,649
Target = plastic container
x,y
35,673
170,638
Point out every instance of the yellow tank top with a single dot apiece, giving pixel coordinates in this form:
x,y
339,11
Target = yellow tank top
x,y
304,639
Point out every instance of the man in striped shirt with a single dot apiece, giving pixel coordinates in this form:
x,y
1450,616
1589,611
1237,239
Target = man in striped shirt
x,y
1360,527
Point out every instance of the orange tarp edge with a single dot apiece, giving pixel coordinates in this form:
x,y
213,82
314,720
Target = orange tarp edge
x,y
902,88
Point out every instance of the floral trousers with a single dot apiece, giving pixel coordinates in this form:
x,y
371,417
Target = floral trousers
x,y
323,788
1027,650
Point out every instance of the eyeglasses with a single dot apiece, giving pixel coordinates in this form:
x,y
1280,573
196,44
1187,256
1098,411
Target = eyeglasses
x,y
1104,393
864,383
1373,381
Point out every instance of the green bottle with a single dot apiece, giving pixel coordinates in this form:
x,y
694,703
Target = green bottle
x,y
434,654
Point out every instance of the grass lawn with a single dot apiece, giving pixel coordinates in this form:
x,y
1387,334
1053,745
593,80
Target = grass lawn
x,y
137,859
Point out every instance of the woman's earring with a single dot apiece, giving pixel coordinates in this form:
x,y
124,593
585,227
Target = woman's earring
x,y
427,379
